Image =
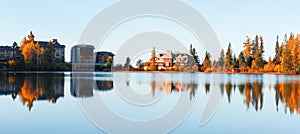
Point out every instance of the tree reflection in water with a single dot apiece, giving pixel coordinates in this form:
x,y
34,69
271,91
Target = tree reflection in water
x,y
50,86
252,92
289,95
33,87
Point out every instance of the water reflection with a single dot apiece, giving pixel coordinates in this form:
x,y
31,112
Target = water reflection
x,y
174,87
251,91
286,93
289,95
10,85
50,87
105,85
33,87
158,83
83,84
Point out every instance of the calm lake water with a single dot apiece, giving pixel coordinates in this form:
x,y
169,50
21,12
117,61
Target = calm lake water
x,y
41,102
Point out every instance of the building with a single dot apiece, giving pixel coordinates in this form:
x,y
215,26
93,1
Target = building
x,y
181,58
82,57
59,50
104,61
9,52
6,53
168,59
164,60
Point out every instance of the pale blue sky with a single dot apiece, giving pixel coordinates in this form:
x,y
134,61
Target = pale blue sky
x,y
232,20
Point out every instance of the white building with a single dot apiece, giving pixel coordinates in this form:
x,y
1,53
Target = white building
x,y
168,59
181,58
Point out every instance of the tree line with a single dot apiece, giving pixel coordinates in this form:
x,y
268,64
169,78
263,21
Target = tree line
x,y
249,60
252,60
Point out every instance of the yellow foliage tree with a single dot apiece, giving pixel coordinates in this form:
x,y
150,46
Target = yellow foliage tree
x,y
270,67
11,62
254,66
294,46
31,50
277,68
247,52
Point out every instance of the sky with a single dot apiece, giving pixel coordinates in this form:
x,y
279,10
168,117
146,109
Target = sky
x,y
232,20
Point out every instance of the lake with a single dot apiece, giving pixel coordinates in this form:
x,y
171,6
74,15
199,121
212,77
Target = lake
x,y
64,102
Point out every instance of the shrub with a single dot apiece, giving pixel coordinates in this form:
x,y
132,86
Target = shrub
x,y
277,68
298,69
208,70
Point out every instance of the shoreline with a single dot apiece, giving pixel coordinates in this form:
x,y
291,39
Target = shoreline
x,y
70,71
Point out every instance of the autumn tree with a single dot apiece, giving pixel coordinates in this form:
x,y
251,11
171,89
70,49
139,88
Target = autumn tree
x,y
127,64
12,64
259,57
247,52
153,64
298,57
255,44
276,59
286,63
31,50
207,61
257,53
139,63
269,67
228,59
194,54
235,62
241,60
176,66
294,46
221,60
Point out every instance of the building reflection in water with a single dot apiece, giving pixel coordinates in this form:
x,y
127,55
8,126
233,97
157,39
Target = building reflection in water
x,y
50,87
287,93
33,87
174,87
10,85
104,85
170,86
82,84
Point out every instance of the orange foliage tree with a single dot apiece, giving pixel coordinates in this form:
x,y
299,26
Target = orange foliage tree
x,y
31,50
